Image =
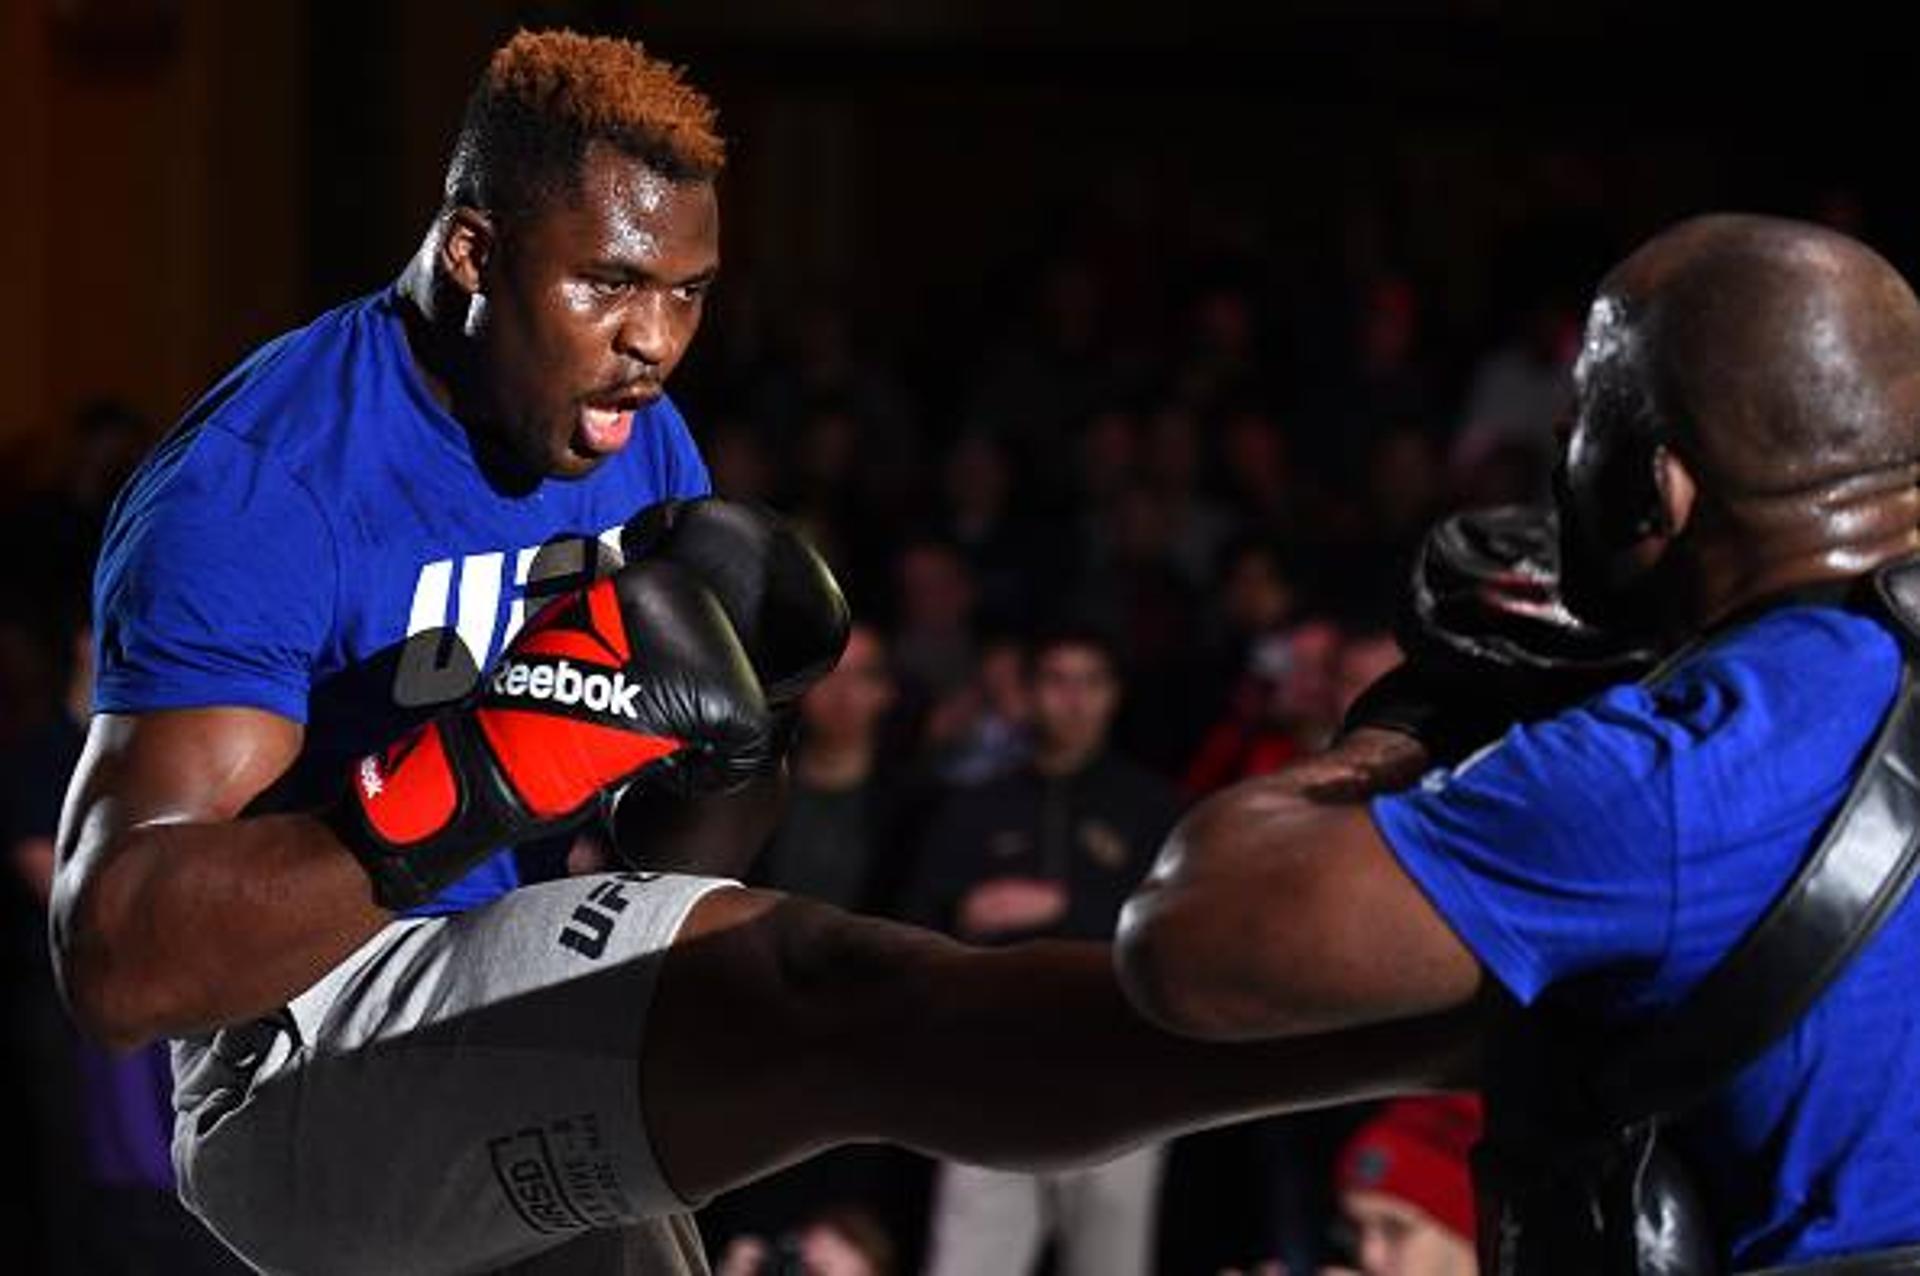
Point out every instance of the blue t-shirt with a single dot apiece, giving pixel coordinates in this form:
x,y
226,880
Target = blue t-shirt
x,y
1614,854
317,539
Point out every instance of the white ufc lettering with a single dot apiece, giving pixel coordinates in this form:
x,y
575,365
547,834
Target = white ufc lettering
x,y
459,620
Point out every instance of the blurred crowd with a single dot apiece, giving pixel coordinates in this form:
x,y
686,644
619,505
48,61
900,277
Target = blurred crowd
x,y
1146,540
1141,538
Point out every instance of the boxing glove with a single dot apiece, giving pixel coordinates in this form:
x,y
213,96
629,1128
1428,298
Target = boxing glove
x,y
793,623
1488,639
776,588
640,671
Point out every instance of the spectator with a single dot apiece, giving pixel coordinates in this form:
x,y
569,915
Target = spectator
x,y
1402,498
1197,526
1255,595
996,734
841,837
821,477
1285,706
1050,850
1405,1190
1256,472
983,525
1222,361
1108,457
1384,386
845,1241
1130,586
934,653
1519,390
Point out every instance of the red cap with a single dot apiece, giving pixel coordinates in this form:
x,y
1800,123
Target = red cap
x,y
1416,1150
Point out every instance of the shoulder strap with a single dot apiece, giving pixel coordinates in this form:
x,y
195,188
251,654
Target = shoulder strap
x,y
1847,888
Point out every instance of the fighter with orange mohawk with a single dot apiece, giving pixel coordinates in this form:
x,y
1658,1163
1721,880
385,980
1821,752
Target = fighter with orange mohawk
x,y
437,576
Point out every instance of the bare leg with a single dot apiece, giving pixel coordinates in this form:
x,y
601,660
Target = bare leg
x,y
780,1027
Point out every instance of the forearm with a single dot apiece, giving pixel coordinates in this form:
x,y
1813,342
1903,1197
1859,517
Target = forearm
x,y
175,928
1274,909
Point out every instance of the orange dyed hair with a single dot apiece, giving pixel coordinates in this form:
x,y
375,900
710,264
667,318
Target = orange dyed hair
x,y
547,95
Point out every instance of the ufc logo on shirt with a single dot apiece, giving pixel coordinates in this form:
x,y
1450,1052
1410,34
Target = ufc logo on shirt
x,y
465,611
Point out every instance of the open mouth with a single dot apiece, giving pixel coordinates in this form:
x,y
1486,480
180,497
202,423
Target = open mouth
x,y
606,423
603,429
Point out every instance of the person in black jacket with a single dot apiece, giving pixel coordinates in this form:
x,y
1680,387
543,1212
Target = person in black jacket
x,y
1051,850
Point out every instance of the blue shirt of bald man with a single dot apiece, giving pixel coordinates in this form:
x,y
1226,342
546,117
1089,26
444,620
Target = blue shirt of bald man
x,y
1611,856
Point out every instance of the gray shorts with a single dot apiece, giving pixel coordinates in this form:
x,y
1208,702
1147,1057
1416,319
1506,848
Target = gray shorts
x,y
459,1094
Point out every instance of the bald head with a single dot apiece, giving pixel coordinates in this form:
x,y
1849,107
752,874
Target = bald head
x,y
1775,356
1747,421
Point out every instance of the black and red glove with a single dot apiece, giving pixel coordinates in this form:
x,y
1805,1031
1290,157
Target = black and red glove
x,y
1488,640
639,671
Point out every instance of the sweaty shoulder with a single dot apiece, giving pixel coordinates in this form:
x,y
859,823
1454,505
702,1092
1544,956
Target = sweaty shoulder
x,y
1629,841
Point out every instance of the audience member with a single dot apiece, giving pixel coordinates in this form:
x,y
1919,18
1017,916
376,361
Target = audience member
x,y
845,835
990,730
845,1241
1050,850
1406,1193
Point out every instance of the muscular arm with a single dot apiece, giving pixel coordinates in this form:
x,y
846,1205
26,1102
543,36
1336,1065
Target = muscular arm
x,y
1275,909
782,1026
171,913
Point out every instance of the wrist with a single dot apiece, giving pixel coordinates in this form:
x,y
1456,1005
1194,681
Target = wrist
x,y
1444,713
392,886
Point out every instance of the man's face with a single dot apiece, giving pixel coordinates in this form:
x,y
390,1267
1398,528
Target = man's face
x,y
845,707
1605,491
1075,695
586,306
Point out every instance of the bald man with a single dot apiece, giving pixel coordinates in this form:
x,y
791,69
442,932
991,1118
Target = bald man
x,y
1746,432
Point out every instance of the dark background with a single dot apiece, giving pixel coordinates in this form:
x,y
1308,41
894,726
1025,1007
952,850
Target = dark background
x,y
913,188
189,176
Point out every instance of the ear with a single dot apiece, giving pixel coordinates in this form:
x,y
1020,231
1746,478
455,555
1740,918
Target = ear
x,y
1674,483
466,247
